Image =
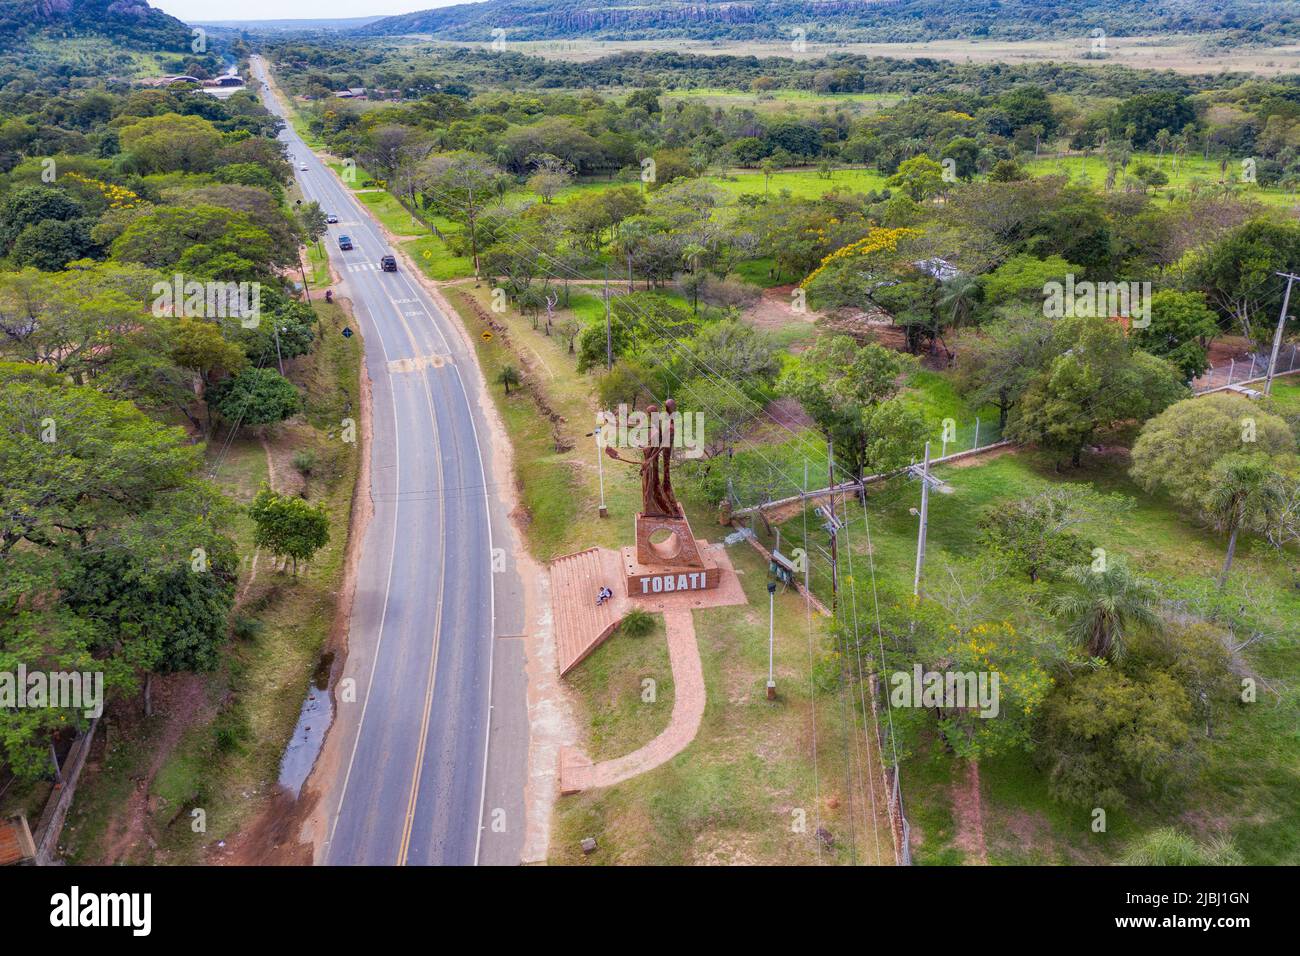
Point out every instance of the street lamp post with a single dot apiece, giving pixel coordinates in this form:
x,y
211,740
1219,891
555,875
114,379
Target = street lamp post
x,y
600,467
924,522
771,638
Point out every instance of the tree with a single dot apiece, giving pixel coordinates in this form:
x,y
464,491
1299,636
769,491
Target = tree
x,y
646,99
255,396
996,362
748,357
1244,491
90,481
1182,326
28,205
207,241
1238,273
51,244
200,346
311,222
1039,535
460,185
1150,114
1094,383
1105,606
1107,735
964,152
171,143
920,177
1008,171
551,175
1023,278
181,609
839,383
569,327
288,526
949,643
509,375
1177,450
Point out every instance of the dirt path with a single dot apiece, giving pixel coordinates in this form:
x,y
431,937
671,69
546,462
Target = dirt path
x,y
180,701
775,309
968,813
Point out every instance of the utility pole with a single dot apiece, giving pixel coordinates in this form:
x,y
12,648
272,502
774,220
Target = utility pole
x,y
275,329
925,517
1277,336
771,638
833,526
609,335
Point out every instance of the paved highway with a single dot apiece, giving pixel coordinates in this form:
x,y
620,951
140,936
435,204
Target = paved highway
x,y
420,780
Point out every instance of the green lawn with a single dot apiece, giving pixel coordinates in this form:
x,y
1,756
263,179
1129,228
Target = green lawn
x,y
622,712
801,183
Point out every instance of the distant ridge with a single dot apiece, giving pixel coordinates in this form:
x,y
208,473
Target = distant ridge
x,y
881,21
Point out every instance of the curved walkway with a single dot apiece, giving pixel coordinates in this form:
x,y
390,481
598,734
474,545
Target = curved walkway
x,y
578,773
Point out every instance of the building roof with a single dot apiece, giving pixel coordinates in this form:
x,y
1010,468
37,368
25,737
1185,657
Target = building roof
x,y
16,844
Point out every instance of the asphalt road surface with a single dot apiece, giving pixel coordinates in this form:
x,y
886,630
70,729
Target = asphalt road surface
x,y
434,749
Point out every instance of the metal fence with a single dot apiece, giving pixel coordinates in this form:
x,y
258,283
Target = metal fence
x,y
1251,368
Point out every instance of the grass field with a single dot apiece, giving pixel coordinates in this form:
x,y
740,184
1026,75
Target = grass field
x,y
1188,170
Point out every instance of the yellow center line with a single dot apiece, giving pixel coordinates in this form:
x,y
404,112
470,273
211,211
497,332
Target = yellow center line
x,y
409,823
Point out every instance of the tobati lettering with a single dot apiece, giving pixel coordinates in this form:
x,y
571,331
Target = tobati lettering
x,y
666,583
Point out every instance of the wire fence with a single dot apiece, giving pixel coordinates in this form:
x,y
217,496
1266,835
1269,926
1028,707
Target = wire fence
x,y
1251,368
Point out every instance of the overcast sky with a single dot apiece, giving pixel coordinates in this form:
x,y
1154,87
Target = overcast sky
x,y
194,11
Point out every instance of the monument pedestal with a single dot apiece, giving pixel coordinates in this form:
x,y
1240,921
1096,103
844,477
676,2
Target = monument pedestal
x,y
675,562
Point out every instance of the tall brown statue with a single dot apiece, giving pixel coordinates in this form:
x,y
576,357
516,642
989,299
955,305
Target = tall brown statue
x,y
657,498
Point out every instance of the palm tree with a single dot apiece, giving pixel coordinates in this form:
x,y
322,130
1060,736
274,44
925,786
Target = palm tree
x,y
1105,607
1163,139
508,376
958,296
1179,149
1244,490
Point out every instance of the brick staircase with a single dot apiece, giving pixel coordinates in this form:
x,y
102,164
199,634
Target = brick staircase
x,y
580,625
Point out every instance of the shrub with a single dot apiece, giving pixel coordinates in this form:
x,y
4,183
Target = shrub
x,y
637,623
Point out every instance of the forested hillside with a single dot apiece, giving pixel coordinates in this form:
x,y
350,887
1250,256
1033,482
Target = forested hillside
x,y
840,20
47,43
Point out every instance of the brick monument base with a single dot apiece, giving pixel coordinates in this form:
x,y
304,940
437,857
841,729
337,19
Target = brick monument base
x,y
675,563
